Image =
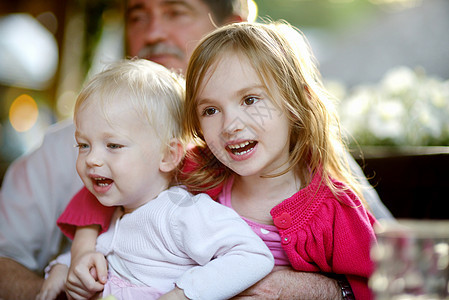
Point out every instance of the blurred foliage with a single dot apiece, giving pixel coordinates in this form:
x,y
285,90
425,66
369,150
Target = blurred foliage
x,y
325,14
93,12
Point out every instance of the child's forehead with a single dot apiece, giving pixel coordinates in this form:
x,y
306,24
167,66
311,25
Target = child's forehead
x,y
225,63
110,105
111,98
230,63
232,55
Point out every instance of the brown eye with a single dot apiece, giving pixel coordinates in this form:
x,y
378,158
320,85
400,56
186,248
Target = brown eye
x,y
250,100
209,111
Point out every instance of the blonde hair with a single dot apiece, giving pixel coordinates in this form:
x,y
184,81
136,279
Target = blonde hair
x,y
155,93
281,56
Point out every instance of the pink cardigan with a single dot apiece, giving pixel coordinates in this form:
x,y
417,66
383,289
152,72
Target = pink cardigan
x,y
319,233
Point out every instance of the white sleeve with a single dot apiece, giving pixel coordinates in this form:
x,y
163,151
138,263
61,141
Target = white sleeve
x,y
62,259
34,192
231,256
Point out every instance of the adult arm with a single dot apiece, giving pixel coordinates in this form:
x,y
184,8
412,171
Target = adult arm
x,y
18,282
286,283
34,192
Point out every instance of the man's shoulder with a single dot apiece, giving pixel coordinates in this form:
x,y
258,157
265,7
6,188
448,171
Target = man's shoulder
x,y
62,132
61,128
59,141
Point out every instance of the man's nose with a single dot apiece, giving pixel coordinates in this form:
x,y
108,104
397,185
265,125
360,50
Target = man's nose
x,y
156,30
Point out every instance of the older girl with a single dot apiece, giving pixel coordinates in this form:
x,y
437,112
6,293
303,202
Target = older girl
x,y
269,134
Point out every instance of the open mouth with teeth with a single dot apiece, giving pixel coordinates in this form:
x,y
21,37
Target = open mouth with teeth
x,y
241,148
102,181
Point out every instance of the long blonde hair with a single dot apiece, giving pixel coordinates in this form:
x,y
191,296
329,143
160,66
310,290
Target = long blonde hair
x,y
281,56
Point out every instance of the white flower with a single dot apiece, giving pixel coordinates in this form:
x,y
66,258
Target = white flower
x,y
405,108
386,119
398,80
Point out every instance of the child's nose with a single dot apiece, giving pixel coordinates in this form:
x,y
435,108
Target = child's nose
x,y
233,123
94,160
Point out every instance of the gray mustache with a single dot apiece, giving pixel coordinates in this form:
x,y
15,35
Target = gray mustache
x,y
160,49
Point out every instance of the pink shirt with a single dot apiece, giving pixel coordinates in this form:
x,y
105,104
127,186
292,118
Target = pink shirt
x,y
268,233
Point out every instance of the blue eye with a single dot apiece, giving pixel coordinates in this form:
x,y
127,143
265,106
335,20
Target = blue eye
x,y
114,146
82,146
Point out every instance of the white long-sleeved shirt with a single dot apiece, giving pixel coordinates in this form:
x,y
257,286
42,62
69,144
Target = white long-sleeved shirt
x,y
202,246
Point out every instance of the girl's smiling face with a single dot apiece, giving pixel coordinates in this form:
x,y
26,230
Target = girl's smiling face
x,y
119,155
240,123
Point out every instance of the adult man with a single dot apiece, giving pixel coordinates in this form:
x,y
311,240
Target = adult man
x,y
37,187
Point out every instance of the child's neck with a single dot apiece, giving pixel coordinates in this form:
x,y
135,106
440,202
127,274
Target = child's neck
x,y
253,197
157,187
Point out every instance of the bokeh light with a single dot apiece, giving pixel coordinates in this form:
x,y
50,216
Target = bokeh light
x,y
23,113
28,52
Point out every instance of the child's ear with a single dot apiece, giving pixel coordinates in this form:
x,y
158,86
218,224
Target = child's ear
x,y
172,156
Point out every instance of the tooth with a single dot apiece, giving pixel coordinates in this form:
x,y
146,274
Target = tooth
x,y
241,145
241,153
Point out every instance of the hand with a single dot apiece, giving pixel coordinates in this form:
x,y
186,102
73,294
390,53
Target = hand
x,y
287,283
54,284
87,275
